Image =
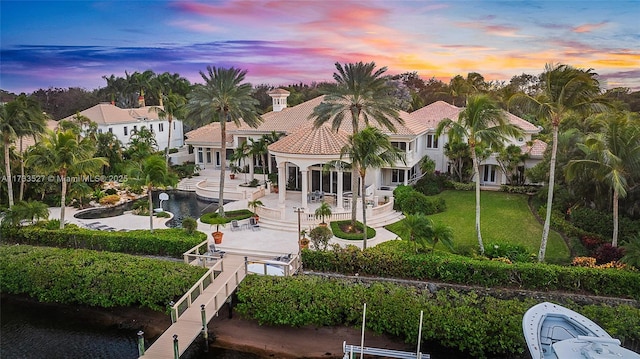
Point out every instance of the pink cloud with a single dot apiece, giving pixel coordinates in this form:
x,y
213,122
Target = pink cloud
x,y
589,27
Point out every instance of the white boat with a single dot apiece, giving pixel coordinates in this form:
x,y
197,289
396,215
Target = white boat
x,y
555,332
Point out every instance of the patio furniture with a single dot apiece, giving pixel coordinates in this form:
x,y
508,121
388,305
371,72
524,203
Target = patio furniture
x,y
253,224
235,226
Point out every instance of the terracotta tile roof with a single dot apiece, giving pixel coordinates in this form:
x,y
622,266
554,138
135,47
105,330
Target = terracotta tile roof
x,y
312,141
210,134
536,150
432,114
278,91
108,114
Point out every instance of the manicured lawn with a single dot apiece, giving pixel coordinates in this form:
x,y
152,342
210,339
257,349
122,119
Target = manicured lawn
x,y
504,218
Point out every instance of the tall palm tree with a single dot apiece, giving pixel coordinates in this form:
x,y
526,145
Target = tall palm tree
x,y
564,90
259,148
362,93
482,124
63,153
174,107
240,154
223,98
21,117
369,148
612,155
151,172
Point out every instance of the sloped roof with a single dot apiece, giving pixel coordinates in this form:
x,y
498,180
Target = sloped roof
x,y
108,114
278,91
312,141
536,149
433,113
210,133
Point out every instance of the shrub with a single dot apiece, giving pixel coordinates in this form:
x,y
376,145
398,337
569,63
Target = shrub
x,y
519,189
110,191
320,237
514,252
109,199
212,218
601,223
162,214
430,184
462,186
398,259
338,232
410,201
607,253
190,225
162,242
93,278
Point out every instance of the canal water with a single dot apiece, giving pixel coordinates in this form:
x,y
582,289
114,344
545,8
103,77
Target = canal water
x,y
32,331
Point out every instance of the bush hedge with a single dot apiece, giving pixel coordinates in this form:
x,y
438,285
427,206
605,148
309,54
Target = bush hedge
x,y
162,242
481,326
397,259
598,222
408,200
101,279
212,218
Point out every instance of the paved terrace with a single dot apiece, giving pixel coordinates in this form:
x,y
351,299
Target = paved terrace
x,y
273,235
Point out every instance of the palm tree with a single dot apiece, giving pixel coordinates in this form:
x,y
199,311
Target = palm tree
x,y
565,90
362,94
63,153
482,124
416,228
18,118
369,148
632,252
441,233
611,155
223,98
173,108
240,154
151,172
259,148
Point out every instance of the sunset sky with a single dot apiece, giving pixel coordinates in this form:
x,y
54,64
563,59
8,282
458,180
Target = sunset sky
x,y
74,43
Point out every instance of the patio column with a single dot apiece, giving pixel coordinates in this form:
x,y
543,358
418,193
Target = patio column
x,y
340,190
406,177
305,187
282,183
251,177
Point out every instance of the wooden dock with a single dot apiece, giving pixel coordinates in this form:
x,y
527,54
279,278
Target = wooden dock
x,y
226,271
188,323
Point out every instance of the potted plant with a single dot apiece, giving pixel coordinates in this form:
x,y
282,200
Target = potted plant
x,y
254,205
273,178
217,235
303,241
234,170
323,211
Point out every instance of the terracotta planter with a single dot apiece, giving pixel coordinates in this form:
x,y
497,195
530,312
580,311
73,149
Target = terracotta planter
x,y
232,176
256,217
217,237
304,243
322,224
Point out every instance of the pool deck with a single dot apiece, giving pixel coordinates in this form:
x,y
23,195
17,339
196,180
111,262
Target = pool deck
x,y
277,237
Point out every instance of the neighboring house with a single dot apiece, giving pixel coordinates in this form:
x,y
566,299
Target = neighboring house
x,y
22,144
302,153
124,122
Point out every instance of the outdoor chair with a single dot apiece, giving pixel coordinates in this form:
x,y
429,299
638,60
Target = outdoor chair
x,y
254,224
235,226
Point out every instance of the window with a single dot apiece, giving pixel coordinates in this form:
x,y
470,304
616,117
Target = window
x,y
432,141
397,176
99,130
110,130
135,128
174,125
161,127
401,145
126,132
208,155
200,156
151,127
489,174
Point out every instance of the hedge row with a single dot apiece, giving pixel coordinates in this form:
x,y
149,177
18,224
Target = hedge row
x,y
395,259
599,222
102,279
482,326
337,231
162,242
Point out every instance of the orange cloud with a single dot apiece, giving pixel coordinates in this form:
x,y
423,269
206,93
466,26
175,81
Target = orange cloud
x,y
589,27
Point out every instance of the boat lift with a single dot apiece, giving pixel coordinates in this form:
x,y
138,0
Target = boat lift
x,y
351,351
